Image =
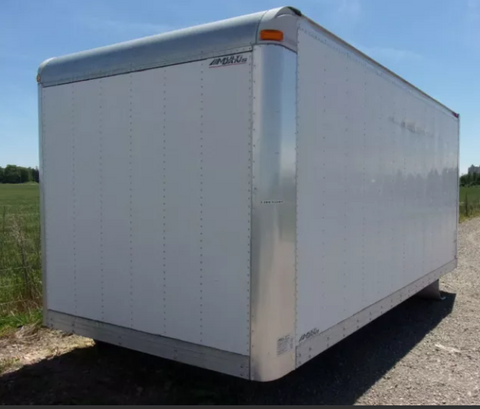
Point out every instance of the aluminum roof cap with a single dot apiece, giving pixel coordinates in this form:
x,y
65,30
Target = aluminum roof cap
x,y
230,36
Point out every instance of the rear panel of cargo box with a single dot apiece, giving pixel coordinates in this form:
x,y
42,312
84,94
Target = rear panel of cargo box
x,y
377,186
146,194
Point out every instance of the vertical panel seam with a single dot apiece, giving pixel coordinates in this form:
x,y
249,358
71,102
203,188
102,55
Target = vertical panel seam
x,y
252,207
345,195
130,186
164,203
405,224
322,269
201,202
457,195
100,152
74,198
249,202
297,134
364,185
379,195
43,215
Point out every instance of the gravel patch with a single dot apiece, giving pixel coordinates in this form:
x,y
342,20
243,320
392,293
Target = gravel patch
x,y
444,368
32,344
421,352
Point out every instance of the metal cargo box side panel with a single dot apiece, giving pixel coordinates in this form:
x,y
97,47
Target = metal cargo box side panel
x,y
146,188
377,166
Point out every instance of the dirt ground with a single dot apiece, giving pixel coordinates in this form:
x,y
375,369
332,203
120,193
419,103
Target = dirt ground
x,y
422,352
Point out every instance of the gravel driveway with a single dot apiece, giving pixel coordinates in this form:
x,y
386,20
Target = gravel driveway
x,y
422,352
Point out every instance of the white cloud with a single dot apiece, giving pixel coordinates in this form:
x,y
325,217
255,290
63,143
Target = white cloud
x,y
474,5
473,10
472,24
390,54
351,8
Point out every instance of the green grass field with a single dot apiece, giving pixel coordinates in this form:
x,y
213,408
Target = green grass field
x,y
20,255
473,192
469,202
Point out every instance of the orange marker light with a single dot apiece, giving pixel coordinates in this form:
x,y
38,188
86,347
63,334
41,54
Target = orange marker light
x,y
271,35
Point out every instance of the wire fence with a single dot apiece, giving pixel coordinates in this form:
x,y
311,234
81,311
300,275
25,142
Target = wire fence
x,y
20,260
469,207
17,298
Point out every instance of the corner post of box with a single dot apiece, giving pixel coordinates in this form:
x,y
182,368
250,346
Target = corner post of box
x,y
41,168
273,238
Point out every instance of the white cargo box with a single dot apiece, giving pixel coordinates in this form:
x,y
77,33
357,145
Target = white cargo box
x,y
239,195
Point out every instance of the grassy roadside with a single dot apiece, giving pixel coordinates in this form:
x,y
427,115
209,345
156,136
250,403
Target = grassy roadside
x,y
20,256
11,322
469,205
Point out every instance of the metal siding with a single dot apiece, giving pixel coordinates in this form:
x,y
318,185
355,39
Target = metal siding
x,y
182,202
148,119
326,339
147,201
116,224
225,206
206,204
376,200
57,107
87,201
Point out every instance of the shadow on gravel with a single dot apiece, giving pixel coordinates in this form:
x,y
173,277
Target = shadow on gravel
x,y
117,376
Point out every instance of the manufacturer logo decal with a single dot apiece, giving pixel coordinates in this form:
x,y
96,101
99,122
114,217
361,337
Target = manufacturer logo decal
x,y
309,334
226,61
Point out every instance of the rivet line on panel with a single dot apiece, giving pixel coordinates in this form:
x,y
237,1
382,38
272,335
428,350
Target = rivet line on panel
x,y
323,183
382,213
405,225
297,136
164,199
100,154
201,201
42,176
130,187
249,198
252,202
379,71
74,199
364,188
345,205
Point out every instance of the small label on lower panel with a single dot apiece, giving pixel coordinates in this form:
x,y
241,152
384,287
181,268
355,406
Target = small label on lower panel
x,y
284,344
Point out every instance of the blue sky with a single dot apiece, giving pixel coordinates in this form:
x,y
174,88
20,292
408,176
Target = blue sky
x,y
435,44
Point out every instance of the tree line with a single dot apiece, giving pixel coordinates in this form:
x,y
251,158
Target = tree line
x,y
471,179
18,174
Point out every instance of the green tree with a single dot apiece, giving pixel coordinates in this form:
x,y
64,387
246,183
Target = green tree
x,y
12,174
476,179
2,172
25,175
35,175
